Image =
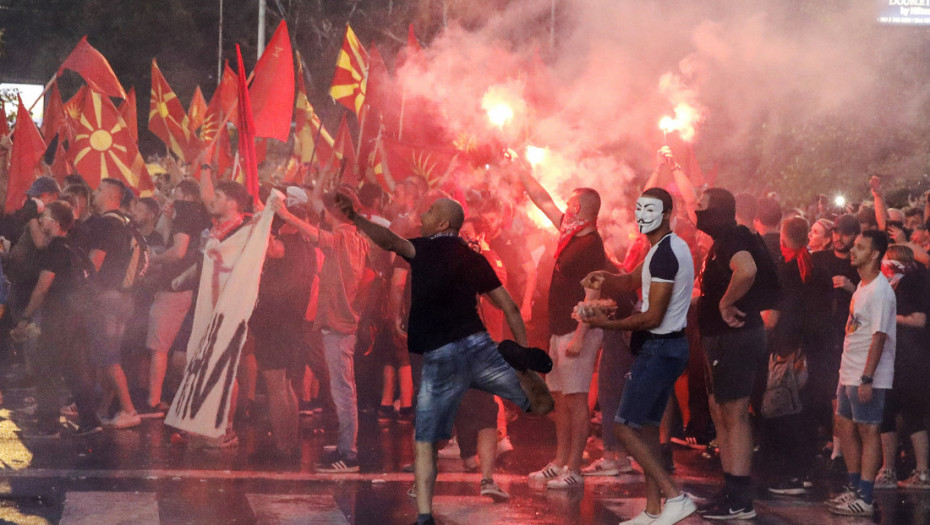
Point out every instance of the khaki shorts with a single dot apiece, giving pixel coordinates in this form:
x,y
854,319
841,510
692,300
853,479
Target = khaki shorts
x,y
165,319
572,375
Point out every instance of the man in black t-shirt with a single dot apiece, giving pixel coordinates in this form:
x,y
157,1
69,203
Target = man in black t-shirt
x,y
573,346
733,339
109,249
444,326
61,344
186,218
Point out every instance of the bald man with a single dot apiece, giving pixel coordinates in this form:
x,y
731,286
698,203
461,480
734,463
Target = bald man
x,y
446,278
573,346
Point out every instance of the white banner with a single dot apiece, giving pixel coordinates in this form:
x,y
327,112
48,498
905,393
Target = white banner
x,y
228,291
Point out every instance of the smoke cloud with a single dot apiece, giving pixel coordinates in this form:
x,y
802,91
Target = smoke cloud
x,y
800,97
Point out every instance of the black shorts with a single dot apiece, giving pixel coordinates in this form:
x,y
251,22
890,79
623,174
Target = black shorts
x,y
733,360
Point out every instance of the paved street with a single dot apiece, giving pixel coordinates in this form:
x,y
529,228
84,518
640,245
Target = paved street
x,y
138,476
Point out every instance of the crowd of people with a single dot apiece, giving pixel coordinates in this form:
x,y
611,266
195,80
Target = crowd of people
x,y
730,323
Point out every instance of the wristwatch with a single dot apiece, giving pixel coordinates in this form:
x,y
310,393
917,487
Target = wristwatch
x,y
865,380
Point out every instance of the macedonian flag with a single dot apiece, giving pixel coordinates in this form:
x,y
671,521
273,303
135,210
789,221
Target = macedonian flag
x,y
103,146
168,120
350,80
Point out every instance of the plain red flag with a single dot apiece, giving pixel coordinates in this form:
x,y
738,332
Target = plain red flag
x,y
272,91
55,122
28,148
103,146
127,110
247,162
93,66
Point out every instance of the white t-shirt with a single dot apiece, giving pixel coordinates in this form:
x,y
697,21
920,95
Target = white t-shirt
x,y
873,309
669,261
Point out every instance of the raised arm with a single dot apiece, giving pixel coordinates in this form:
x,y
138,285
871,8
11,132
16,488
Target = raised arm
x,y
380,235
881,209
540,196
685,187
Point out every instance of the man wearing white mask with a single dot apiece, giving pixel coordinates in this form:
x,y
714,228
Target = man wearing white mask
x,y
666,277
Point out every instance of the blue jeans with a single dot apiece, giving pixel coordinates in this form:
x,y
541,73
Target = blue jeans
x,y
339,351
658,365
849,406
450,370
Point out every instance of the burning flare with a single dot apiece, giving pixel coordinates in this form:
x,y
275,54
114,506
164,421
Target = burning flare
x,y
535,155
686,118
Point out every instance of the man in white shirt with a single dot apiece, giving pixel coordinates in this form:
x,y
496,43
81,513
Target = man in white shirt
x,y
866,374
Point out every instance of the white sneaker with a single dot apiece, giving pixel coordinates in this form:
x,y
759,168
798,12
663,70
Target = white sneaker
x,y
848,494
450,451
857,507
602,467
550,471
504,446
675,510
123,419
886,479
568,480
644,518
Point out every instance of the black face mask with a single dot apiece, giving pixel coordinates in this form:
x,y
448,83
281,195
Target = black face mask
x,y
713,221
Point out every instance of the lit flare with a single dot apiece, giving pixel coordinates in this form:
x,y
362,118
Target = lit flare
x,y
535,155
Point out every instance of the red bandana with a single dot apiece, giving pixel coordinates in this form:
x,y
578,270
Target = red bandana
x,y
221,230
571,224
804,260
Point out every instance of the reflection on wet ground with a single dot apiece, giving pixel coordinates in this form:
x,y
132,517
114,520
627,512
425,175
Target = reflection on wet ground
x,y
140,476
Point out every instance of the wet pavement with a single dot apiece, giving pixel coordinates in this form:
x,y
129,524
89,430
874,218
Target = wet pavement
x,y
140,476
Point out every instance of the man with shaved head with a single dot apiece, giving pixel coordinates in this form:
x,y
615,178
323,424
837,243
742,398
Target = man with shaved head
x,y
573,346
444,326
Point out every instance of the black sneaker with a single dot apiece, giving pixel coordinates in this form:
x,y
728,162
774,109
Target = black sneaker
x,y
714,502
87,430
386,412
522,358
340,464
789,487
731,511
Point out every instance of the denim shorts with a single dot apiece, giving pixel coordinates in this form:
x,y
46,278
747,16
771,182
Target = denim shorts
x,y
108,313
657,366
849,406
450,370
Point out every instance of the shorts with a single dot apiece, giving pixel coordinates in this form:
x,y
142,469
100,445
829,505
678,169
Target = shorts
x,y
450,370
733,360
572,375
657,366
280,347
165,319
849,406
108,313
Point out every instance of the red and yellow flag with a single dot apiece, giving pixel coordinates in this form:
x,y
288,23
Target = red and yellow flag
x,y
272,90
308,126
350,80
93,66
73,106
344,150
197,110
28,148
103,146
222,106
168,121
127,110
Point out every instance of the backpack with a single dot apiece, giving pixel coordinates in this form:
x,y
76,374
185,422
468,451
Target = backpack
x,y
82,268
139,256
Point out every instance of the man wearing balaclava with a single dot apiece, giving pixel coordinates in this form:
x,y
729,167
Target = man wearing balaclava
x,y
733,338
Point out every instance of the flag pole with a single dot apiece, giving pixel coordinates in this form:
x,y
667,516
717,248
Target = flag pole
x,y
44,91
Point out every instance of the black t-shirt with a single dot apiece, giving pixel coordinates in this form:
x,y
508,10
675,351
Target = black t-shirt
x,y
513,254
446,278
284,290
191,219
829,306
59,258
110,234
715,279
580,257
911,362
